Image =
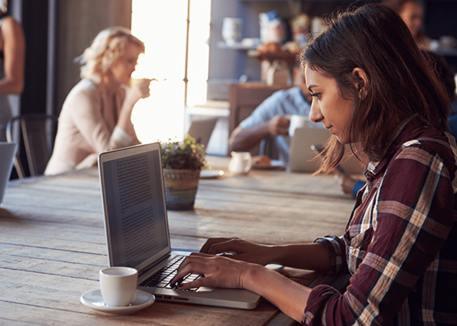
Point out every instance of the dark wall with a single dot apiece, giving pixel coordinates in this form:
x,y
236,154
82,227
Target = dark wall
x,y
35,25
441,19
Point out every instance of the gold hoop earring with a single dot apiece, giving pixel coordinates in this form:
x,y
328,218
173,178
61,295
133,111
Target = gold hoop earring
x,y
361,94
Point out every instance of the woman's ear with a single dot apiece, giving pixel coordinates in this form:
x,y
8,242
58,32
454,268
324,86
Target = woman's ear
x,y
361,81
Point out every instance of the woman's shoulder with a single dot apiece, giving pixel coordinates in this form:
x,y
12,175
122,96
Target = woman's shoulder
x,y
84,90
430,138
10,25
435,143
86,86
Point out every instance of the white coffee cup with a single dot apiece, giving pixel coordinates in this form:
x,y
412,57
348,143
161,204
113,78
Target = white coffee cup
x,y
296,121
7,151
240,163
231,30
118,285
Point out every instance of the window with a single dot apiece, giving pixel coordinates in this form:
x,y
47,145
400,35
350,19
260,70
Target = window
x,y
162,26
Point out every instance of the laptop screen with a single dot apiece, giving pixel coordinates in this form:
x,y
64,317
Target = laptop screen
x,y
135,214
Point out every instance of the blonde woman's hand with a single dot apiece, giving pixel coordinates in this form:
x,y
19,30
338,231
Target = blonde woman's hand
x,y
139,89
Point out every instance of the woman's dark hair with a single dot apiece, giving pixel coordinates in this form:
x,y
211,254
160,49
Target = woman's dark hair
x,y
400,81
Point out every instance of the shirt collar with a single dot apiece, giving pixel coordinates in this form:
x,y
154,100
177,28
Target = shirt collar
x,y
402,134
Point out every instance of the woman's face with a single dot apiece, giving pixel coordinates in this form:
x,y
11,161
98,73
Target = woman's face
x,y
124,66
411,12
328,105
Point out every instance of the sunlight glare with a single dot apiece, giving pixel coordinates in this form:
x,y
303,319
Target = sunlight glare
x,y
162,25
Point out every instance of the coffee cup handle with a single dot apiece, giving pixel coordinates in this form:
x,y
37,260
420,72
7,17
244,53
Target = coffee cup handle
x,y
249,164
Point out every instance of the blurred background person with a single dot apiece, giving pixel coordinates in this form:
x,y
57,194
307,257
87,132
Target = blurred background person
x,y
272,118
12,61
96,115
412,12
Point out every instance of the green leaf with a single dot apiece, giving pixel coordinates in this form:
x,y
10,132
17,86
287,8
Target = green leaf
x,y
187,155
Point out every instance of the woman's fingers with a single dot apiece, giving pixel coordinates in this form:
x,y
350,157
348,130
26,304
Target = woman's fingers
x,y
190,265
218,271
212,245
143,87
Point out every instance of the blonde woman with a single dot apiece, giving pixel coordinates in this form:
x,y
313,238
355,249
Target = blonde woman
x,y
96,115
12,56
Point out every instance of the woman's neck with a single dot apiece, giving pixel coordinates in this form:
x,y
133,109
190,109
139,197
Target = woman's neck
x,y
109,84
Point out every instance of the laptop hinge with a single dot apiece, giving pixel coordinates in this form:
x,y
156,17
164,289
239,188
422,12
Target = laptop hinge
x,y
147,269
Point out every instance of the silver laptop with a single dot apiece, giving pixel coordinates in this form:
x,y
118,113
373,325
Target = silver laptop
x,y
201,130
301,155
137,231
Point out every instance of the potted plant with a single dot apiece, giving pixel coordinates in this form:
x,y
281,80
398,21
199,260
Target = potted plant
x,y
181,165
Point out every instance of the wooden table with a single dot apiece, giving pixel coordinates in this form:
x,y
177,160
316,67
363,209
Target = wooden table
x,y
53,245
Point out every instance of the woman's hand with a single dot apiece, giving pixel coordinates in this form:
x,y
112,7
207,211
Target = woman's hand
x,y
139,90
219,271
239,249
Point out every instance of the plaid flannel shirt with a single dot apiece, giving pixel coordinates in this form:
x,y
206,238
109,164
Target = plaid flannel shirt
x,y
400,246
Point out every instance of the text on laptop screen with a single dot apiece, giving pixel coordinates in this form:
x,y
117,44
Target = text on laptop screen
x,y
134,200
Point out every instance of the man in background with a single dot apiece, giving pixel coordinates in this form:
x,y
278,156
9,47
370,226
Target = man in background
x,y
272,118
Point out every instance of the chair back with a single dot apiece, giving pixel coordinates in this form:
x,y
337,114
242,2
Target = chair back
x,y
38,133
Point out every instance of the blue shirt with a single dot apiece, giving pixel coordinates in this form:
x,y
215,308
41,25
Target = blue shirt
x,y
284,102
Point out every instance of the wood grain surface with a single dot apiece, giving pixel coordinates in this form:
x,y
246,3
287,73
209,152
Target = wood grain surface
x,y
52,241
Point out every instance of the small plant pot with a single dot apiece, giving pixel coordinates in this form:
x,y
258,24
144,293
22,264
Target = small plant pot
x,y
180,188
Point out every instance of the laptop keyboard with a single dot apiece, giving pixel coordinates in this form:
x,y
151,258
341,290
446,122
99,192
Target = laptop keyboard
x,y
162,278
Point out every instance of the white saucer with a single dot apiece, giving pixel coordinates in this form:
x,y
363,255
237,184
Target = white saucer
x,y
274,165
94,300
211,174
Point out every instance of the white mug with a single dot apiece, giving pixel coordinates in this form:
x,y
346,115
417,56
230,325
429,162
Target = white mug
x,y
118,285
240,163
296,121
231,30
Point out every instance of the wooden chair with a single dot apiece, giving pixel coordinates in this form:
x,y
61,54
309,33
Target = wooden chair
x,y
38,133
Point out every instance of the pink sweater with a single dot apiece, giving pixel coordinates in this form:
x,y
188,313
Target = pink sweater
x,y
87,126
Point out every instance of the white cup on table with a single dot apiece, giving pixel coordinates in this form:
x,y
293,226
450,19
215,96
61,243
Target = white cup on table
x,y
118,285
240,163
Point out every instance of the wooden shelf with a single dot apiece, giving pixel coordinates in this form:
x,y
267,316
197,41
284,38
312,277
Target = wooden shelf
x,y
236,46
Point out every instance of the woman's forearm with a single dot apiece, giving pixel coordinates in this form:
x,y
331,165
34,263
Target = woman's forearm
x,y
289,296
125,117
11,86
312,256
244,139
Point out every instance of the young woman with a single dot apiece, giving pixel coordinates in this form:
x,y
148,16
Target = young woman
x,y
12,58
96,115
376,91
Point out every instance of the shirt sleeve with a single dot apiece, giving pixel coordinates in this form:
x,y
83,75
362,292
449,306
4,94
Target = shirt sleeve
x,y
409,219
337,253
266,111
